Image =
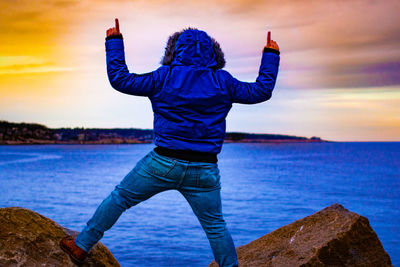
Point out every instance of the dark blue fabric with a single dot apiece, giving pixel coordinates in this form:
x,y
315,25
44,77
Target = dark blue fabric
x,y
190,99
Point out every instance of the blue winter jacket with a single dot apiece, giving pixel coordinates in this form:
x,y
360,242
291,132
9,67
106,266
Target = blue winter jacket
x,y
189,97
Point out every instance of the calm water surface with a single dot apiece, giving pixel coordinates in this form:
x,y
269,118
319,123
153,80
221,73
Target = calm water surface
x,y
264,186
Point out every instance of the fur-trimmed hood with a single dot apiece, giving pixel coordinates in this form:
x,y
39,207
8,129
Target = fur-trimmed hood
x,y
193,47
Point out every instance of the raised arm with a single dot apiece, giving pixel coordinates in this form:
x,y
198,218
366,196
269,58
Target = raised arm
x,y
260,90
118,73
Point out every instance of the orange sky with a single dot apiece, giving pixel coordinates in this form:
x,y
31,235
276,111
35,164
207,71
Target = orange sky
x,y
339,76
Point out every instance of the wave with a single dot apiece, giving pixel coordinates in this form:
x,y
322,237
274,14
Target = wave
x,y
32,157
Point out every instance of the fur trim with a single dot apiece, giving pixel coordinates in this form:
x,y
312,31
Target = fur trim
x,y
170,50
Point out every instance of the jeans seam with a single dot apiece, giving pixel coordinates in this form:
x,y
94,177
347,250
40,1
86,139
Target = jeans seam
x,y
183,176
170,169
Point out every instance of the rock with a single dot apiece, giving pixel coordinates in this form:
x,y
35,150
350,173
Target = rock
x,y
30,239
333,236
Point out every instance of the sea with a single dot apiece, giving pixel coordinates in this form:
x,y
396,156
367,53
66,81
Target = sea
x,y
264,187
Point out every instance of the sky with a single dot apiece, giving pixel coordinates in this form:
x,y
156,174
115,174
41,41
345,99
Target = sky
x,y
339,76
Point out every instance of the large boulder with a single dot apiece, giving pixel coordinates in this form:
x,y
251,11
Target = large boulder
x,y
30,239
333,236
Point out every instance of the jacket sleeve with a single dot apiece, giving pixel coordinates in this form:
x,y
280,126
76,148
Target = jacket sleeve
x,y
260,90
119,76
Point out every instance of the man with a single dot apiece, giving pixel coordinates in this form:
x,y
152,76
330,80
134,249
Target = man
x,y
191,96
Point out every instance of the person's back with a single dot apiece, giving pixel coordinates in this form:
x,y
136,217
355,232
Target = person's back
x,y
191,96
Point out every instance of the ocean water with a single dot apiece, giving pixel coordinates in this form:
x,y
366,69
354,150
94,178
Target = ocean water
x,y
264,187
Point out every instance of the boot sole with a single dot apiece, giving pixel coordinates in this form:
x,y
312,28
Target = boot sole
x,y
65,249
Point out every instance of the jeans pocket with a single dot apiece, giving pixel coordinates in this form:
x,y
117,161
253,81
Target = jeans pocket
x,y
208,177
159,166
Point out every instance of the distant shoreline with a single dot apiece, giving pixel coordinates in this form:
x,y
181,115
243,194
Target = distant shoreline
x,y
130,142
37,134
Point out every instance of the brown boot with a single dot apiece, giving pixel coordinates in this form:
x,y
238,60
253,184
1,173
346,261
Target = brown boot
x,y
76,253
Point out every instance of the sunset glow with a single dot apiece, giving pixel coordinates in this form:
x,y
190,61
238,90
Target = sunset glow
x,y
339,76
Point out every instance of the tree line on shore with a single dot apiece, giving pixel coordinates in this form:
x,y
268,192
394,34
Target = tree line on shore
x,y
33,133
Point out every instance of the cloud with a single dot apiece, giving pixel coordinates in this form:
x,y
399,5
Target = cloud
x,y
32,68
345,43
334,44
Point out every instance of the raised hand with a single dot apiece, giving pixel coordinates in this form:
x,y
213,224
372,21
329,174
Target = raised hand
x,y
271,43
114,30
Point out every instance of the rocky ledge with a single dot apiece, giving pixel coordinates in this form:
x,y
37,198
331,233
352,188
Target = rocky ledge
x,y
30,239
333,236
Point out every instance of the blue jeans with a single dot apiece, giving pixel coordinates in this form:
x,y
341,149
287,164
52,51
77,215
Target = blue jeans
x,y
198,182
